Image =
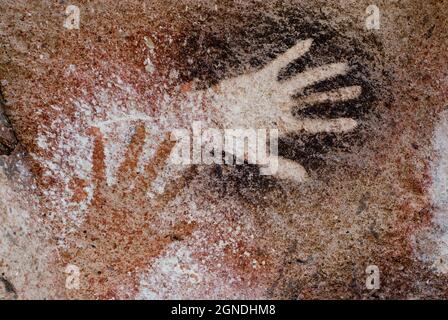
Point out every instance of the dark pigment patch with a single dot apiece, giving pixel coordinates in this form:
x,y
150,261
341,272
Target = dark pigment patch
x,y
227,44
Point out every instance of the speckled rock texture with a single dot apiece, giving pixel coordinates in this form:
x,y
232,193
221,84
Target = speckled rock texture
x,y
92,208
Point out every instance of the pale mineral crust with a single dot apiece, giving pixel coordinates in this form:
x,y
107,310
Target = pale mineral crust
x,y
87,190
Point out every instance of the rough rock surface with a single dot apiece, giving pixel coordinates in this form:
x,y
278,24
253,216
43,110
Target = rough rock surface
x,y
86,184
